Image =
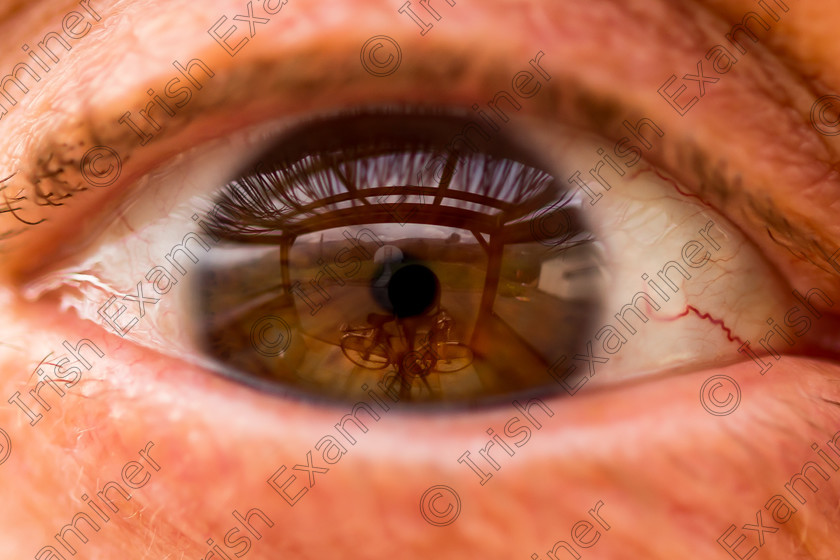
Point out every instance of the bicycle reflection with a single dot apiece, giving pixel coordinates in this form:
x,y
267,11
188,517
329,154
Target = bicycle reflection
x,y
416,346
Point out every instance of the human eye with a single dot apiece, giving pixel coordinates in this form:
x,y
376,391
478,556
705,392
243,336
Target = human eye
x,y
503,271
685,213
547,276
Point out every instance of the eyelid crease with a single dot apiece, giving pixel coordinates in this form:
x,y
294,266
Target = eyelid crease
x,y
52,167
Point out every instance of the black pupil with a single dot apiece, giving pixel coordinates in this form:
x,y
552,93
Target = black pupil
x,y
413,290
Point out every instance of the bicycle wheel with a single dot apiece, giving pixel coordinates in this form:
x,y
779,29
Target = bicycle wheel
x,y
365,352
452,357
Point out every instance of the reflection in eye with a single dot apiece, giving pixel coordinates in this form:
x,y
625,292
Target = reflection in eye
x,y
392,248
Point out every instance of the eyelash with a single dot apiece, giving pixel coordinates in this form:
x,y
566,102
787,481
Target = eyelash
x,y
303,187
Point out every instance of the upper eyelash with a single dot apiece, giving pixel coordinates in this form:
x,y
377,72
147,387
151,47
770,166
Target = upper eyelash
x,y
328,168
277,198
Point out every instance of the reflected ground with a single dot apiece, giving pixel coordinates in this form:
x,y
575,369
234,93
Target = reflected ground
x,y
543,302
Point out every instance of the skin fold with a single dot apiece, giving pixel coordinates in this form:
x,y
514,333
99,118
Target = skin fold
x,y
671,477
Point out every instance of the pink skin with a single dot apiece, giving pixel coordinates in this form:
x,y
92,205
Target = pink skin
x,y
671,476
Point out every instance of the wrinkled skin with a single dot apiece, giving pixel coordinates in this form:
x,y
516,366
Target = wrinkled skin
x,y
672,477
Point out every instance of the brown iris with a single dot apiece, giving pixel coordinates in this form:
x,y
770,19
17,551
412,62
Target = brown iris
x,y
411,253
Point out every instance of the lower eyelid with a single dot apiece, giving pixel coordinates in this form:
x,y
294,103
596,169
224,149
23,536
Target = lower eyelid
x,y
253,436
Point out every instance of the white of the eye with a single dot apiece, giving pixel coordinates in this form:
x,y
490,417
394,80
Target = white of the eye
x,y
641,223
645,225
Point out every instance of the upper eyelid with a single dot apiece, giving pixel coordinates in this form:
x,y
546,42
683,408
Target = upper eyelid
x,y
254,74
102,128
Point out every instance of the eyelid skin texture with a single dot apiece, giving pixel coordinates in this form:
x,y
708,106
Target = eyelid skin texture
x,y
674,480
